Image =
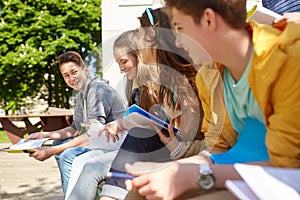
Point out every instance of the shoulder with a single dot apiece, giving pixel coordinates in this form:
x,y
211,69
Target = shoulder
x,y
267,38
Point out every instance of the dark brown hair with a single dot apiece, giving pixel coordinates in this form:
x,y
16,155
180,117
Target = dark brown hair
x,y
71,56
232,11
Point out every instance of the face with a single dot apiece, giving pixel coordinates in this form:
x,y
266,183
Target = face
x,y
190,36
127,63
75,76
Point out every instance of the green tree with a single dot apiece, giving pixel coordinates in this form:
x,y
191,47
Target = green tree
x,y
32,34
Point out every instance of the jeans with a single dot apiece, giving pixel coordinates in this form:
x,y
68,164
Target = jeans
x,y
65,160
87,171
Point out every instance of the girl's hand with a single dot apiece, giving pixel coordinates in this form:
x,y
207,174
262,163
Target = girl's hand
x,y
167,137
112,130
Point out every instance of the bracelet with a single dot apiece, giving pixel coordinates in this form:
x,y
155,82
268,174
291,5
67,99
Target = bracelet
x,y
176,151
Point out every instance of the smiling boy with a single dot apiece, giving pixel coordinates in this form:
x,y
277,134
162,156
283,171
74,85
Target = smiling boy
x,y
95,100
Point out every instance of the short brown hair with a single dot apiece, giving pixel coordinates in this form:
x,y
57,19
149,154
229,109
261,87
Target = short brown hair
x,y
71,56
233,12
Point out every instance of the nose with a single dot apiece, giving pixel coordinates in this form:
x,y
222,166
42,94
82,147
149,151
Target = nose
x,y
178,41
72,78
122,67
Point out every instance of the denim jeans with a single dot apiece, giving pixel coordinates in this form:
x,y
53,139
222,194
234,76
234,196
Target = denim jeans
x,y
87,171
65,160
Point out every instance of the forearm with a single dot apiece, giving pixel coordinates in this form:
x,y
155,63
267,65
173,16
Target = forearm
x,y
61,134
221,172
78,141
227,172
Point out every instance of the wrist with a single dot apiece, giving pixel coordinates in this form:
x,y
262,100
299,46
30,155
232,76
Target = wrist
x,y
206,179
177,150
120,125
172,144
190,173
46,134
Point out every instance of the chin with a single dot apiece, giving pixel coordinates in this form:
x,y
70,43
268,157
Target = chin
x,y
129,76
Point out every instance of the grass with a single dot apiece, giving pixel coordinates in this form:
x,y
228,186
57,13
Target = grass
x,y
3,137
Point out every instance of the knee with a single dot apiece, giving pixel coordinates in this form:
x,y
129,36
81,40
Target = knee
x,y
66,156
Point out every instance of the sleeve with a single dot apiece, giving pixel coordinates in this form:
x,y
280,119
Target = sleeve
x,y
283,127
104,104
219,134
78,113
98,105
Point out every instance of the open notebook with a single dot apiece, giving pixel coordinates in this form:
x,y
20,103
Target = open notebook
x,y
26,147
264,183
138,117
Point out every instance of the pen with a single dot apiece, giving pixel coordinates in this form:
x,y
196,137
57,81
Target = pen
x,y
119,175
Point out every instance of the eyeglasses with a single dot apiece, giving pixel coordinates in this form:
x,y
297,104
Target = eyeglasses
x,y
150,16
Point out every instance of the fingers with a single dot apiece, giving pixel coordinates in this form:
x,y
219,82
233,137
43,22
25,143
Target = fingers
x,y
103,128
138,182
31,136
108,136
159,131
279,23
162,136
128,184
114,137
171,131
142,184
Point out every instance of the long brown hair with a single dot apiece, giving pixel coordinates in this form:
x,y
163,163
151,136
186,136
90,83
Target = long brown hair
x,y
175,66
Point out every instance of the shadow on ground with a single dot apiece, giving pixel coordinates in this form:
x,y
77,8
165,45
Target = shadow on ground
x,y
22,177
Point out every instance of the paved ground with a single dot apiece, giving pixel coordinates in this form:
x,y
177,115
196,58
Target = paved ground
x,y
22,177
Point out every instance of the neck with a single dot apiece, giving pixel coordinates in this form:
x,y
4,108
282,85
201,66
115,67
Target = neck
x,y
83,89
237,53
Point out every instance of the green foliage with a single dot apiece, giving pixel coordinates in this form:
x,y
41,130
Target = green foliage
x,y
3,137
32,34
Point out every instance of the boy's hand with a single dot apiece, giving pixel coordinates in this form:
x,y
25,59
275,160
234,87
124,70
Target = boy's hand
x,y
35,136
42,153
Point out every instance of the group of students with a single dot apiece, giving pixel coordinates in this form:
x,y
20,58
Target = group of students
x,y
201,67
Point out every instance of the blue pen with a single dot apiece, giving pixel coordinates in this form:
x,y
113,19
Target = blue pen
x,y
119,175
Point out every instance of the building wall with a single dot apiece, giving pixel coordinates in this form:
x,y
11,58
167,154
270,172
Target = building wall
x,y
119,16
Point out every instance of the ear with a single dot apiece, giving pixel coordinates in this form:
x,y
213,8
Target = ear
x,y
209,19
86,69
152,33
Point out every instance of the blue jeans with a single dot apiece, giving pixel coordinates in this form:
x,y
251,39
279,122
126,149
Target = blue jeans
x,y
87,171
65,160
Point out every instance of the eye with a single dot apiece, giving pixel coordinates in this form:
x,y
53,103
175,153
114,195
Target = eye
x,y
178,29
66,76
122,61
74,72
